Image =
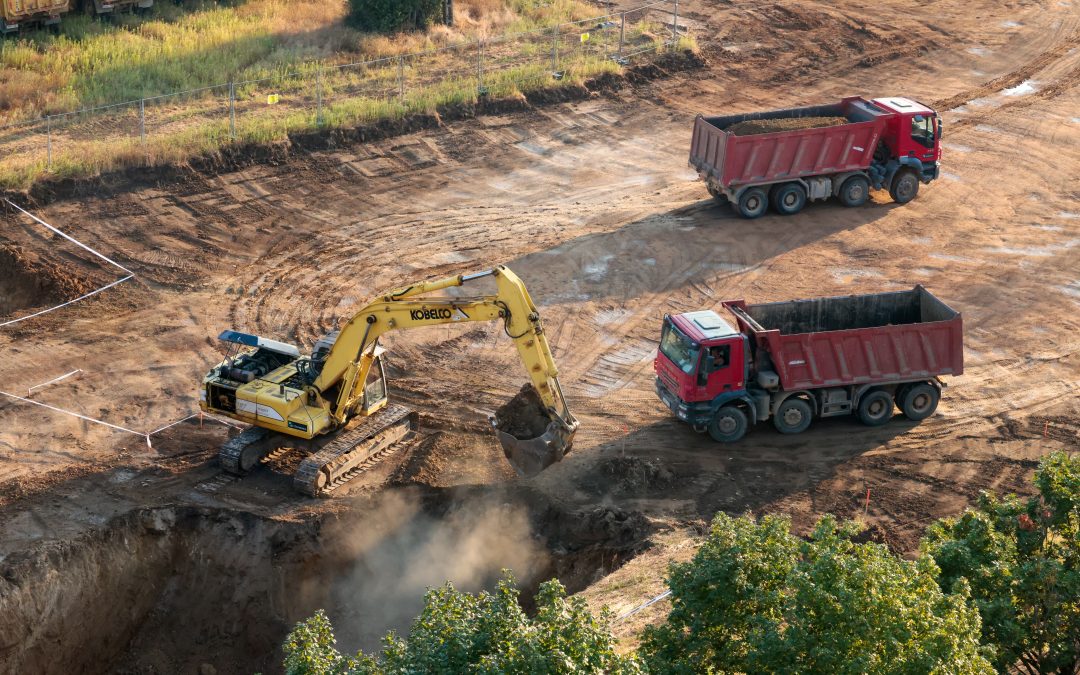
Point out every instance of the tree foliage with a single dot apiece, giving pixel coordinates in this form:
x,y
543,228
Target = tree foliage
x,y
387,16
463,633
755,598
1021,559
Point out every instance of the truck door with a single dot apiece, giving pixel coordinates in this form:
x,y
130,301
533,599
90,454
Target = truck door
x,y
918,138
722,367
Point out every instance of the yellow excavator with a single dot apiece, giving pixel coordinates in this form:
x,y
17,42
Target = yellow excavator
x,y
334,404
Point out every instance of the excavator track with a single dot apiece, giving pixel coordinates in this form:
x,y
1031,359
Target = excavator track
x,y
354,450
242,453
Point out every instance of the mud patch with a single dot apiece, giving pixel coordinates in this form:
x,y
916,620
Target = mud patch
x,y
28,282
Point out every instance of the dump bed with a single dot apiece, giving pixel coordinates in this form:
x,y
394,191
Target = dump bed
x,y
730,161
17,11
857,339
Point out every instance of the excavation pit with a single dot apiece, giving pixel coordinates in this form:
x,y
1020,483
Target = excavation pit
x,y
166,590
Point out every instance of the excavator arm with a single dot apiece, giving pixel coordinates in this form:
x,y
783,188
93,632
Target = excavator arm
x,y
534,433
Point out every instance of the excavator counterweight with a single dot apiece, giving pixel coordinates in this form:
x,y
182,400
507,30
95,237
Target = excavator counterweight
x,y
334,402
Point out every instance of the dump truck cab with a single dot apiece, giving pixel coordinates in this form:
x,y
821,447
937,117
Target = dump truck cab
x,y
701,365
913,135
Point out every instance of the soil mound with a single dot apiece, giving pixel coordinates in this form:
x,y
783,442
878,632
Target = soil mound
x,y
27,281
523,416
753,127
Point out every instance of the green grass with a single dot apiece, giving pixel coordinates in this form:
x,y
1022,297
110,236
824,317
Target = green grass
x,y
177,130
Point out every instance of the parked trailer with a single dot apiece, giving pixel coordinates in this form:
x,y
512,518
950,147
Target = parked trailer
x,y
105,8
805,359
892,143
16,15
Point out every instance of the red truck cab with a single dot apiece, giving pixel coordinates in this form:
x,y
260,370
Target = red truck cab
x,y
915,131
701,363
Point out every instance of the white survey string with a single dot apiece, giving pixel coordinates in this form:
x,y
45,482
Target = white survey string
x,y
68,237
52,381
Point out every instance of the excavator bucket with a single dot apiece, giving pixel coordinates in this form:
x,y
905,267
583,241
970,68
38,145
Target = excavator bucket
x,y
532,438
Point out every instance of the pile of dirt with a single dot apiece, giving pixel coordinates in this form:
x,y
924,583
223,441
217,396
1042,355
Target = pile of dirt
x,y
753,127
627,476
27,281
523,416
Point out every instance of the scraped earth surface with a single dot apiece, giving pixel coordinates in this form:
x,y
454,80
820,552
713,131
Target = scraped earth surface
x,y
592,204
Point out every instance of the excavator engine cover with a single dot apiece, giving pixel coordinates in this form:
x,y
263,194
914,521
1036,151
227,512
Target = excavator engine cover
x,y
532,438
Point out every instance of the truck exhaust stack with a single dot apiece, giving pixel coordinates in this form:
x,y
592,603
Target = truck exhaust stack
x,y
532,436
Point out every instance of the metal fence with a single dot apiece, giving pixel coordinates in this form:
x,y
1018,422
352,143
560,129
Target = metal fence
x,y
168,127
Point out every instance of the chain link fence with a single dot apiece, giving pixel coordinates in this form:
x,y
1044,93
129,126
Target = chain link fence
x,y
167,128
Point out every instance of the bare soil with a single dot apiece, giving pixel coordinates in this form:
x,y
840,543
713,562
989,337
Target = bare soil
x,y
753,127
591,202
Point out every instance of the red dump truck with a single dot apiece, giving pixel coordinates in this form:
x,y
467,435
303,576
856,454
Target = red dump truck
x,y
891,143
799,360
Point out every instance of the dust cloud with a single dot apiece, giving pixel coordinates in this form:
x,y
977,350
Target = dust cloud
x,y
401,550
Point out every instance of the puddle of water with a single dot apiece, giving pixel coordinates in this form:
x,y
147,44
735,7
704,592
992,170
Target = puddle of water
x,y
649,261
1024,88
956,148
1075,120
596,271
951,258
1068,215
978,51
846,275
1010,24
1034,251
1072,289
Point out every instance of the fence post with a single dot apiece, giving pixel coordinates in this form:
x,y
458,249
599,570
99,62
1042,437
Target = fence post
x,y
232,111
622,32
142,121
675,25
48,130
479,66
319,95
555,49
401,77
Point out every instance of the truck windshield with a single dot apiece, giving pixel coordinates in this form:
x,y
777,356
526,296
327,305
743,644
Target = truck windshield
x,y
922,130
679,348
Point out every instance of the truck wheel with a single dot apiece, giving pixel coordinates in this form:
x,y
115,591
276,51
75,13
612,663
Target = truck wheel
x,y
753,203
876,408
728,425
905,186
720,197
793,416
920,401
855,191
789,199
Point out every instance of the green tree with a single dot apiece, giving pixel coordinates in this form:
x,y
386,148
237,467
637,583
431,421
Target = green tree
x,y
1021,559
755,598
386,16
463,633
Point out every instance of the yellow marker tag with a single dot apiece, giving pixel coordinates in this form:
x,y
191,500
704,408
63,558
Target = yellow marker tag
x,y
584,37
272,99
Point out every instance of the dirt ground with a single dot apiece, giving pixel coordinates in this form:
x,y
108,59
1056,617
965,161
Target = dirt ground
x,y
593,205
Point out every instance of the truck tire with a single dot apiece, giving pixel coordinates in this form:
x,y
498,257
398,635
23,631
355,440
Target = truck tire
x,y
789,199
720,197
793,416
753,203
920,401
875,408
728,425
905,185
855,191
